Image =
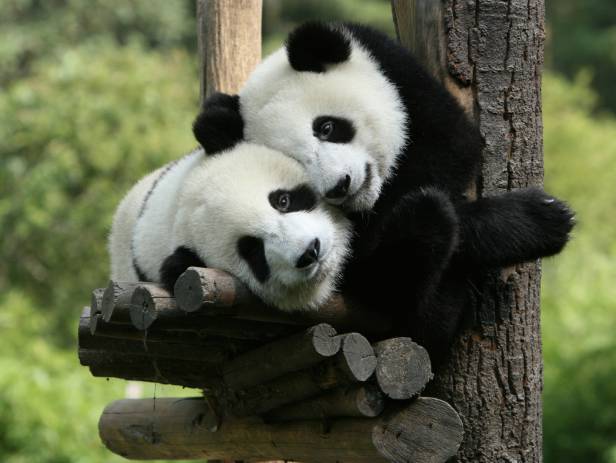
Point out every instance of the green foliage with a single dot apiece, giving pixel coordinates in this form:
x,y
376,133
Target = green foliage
x,y
579,316
583,35
280,16
34,29
74,136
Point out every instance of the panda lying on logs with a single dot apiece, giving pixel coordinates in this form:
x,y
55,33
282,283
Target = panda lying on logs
x,y
249,211
387,143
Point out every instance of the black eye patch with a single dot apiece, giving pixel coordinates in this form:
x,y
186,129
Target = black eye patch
x,y
333,129
252,250
301,198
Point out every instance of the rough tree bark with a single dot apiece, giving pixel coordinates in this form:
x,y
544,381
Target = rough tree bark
x,y
489,54
229,35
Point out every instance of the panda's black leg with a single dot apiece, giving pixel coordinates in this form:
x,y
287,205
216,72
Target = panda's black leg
x,y
512,228
418,238
435,323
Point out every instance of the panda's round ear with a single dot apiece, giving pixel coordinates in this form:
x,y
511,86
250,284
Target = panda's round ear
x,y
315,44
219,126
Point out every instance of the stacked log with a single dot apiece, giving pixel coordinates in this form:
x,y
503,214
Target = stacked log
x,y
261,370
427,430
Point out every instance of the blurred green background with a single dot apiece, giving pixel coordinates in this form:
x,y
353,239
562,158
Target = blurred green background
x,y
94,93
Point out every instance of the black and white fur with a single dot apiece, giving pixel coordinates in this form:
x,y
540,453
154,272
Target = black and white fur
x,y
385,141
248,211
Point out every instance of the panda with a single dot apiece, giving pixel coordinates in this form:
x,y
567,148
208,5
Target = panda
x,y
384,141
249,211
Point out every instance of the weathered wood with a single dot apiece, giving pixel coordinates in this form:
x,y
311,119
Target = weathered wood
x,y
492,64
95,307
285,355
364,400
147,302
215,292
354,363
427,430
229,43
121,338
198,287
116,300
186,373
402,367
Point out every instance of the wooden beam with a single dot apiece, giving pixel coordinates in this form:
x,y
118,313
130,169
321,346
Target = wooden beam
x,y
427,430
364,400
215,292
229,35
354,363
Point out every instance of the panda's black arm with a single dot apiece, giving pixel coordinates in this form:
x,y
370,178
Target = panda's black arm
x,y
176,264
512,228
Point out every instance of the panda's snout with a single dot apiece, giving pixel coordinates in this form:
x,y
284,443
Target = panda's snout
x,y
341,189
310,255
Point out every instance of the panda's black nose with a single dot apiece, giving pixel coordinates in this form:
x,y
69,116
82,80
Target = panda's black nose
x,y
341,189
310,255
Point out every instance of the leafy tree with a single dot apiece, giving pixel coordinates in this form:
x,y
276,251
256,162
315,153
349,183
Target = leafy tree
x,y
579,317
74,136
582,34
34,29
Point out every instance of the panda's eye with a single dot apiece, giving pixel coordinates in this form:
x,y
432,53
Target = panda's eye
x,y
325,130
283,202
333,129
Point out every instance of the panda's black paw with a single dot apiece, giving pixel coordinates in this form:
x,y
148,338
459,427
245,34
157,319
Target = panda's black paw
x,y
426,222
550,219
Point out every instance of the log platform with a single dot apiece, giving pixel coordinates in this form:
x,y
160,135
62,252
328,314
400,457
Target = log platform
x,y
318,386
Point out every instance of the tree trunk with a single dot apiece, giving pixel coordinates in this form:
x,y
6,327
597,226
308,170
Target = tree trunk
x,y
229,43
489,54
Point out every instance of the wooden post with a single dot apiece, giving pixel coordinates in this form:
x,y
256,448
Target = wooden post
x,y
489,54
229,43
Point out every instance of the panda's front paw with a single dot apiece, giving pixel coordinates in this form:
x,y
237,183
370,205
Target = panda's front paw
x,y
552,220
425,220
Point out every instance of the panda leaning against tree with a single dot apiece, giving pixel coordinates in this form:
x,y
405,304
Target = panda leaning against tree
x,y
386,143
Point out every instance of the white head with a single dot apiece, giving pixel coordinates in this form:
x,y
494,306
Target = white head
x,y
323,100
250,211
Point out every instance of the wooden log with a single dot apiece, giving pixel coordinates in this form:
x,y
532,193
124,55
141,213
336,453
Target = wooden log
x,y
365,400
354,363
215,292
147,302
426,430
402,367
121,338
198,287
153,308
96,301
116,300
186,373
285,355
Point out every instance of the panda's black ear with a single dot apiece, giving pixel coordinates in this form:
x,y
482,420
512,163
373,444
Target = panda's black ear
x,y
315,44
219,126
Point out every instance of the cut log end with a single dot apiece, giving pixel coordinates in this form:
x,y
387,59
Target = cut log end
x,y
427,430
116,294
359,358
147,302
324,340
403,368
198,287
